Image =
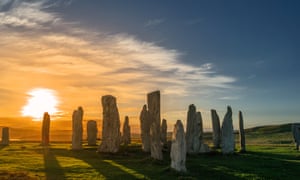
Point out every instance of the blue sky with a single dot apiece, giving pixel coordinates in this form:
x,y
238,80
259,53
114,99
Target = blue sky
x,y
209,53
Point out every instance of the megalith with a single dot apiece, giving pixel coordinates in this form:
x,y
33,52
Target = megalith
x,y
296,134
111,135
178,148
216,129
153,100
5,136
77,129
242,133
164,132
145,123
92,132
45,129
227,134
126,139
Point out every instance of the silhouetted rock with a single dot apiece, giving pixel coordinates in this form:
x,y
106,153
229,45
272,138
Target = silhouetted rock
x,y
5,136
164,132
216,129
178,148
77,129
242,133
145,123
296,134
45,129
92,132
153,100
228,143
111,135
126,132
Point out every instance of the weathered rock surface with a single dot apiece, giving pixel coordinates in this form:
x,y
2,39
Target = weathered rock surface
x,y
126,132
216,129
242,133
228,143
45,129
296,134
153,100
77,129
111,136
92,132
178,148
5,136
194,132
164,132
145,123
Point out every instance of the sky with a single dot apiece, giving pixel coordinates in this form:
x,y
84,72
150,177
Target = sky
x,y
209,53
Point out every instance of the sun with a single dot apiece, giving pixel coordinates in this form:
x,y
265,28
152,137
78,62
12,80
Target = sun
x,y
40,100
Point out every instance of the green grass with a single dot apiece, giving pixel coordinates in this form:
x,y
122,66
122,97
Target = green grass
x,y
266,158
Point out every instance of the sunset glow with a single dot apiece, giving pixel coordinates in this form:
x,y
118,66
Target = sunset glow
x,y
40,101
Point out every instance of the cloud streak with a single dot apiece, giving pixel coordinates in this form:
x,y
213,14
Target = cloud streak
x,y
77,61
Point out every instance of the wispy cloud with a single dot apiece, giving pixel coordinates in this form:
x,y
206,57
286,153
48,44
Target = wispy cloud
x,y
154,22
77,61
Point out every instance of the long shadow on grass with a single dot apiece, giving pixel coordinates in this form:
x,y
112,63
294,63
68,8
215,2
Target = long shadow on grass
x,y
104,164
52,168
2,146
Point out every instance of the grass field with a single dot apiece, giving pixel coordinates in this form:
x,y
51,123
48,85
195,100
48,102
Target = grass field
x,y
270,155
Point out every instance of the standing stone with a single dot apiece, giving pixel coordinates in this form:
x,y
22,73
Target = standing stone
x,y
92,132
216,129
153,100
178,148
164,132
126,132
242,133
296,134
45,129
5,136
111,135
145,123
77,129
227,144
194,132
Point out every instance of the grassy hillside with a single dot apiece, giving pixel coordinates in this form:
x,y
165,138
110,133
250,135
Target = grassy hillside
x,y
270,155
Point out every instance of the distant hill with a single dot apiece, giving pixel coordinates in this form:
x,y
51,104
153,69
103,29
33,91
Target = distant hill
x,y
270,129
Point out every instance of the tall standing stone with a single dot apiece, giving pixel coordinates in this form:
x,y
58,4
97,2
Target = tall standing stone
x,y
164,132
92,132
216,129
296,134
45,129
194,132
153,100
77,129
5,136
242,133
145,123
178,148
126,132
111,135
227,144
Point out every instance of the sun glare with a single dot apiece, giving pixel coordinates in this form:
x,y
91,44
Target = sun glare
x,y
39,101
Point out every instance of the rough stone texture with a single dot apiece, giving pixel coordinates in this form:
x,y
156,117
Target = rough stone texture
x,y
153,100
5,136
194,132
77,129
178,148
111,135
45,129
227,144
216,129
296,134
242,133
145,123
164,132
126,132
92,132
